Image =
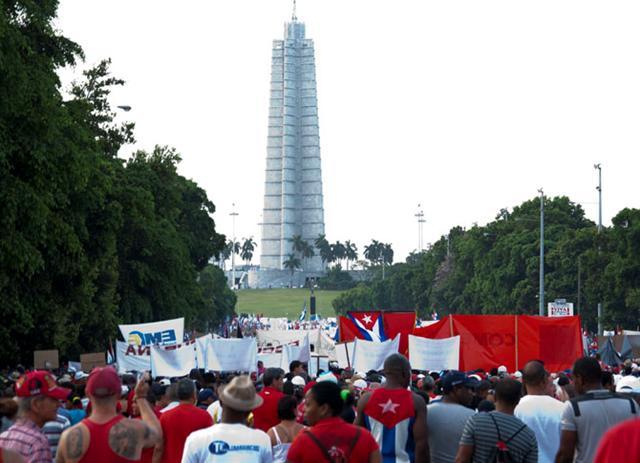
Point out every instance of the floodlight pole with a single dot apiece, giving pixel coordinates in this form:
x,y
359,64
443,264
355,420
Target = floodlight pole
x,y
598,167
233,215
541,308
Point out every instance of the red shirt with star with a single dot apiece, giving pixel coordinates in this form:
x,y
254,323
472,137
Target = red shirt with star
x,y
336,436
390,406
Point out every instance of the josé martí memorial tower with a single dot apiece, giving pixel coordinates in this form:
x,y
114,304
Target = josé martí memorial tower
x,y
293,201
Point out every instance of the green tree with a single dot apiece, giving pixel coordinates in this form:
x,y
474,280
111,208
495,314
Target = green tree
x,y
324,249
292,263
351,252
248,246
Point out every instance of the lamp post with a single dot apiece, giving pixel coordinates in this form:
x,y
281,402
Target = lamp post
x,y
598,167
420,217
541,308
233,215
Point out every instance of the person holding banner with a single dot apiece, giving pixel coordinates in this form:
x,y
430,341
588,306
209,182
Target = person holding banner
x,y
106,436
396,417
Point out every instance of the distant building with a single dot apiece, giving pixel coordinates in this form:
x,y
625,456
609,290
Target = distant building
x,y
293,201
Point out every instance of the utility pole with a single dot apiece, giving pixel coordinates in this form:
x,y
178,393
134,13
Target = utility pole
x,y
598,167
599,188
420,216
541,309
233,215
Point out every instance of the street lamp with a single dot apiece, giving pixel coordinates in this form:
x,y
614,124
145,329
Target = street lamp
x,y
541,308
599,188
233,214
420,216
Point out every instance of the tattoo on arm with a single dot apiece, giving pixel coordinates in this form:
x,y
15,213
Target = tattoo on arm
x,y
124,441
74,444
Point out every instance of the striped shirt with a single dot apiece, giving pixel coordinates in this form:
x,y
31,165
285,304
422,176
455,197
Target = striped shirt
x,y
480,431
53,430
28,440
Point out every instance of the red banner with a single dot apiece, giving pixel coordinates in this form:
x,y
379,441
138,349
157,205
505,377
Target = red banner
x,y
557,341
402,323
488,341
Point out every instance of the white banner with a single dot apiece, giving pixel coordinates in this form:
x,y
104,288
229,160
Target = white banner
x,y
370,355
280,356
232,354
146,334
292,352
434,354
173,361
560,309
132,358
201,350
344,354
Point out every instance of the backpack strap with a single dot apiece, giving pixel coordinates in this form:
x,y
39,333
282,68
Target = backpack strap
x,y
320,445
354,442
324,449
495,423
601,396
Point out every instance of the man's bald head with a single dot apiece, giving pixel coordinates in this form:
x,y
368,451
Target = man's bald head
x,y
534,373
398,369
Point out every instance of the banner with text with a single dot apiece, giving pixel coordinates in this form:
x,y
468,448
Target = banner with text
x,y
232,354
146,334
370,355
173,361
434,354
132,358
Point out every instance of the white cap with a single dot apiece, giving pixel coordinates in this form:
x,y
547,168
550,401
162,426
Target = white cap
x,y
502,369
165,382
360,384
518,374
628,384
298,381
327,377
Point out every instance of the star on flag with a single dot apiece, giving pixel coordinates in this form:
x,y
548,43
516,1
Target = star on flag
x,y
389,406
367,319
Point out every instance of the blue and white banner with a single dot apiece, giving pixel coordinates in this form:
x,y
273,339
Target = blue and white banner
x,y
166,332
132,358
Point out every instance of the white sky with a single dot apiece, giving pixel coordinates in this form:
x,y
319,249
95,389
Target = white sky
x,y
462,106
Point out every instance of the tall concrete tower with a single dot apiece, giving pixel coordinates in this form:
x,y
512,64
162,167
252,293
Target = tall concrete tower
x,y
293,202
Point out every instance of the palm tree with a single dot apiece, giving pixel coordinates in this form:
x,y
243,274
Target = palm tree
x,y
248,246
339,251
298,243
225,254
324,248
372,252
307,251
291,264
386,253
351,252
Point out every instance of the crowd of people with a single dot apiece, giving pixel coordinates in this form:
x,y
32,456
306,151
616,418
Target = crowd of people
x,y
587,414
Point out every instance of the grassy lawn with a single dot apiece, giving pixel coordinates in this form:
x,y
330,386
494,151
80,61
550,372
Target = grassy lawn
x,y
284,302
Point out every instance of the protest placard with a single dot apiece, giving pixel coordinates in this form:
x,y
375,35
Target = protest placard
x,y
434,354
45,359
232,354
89,361
370,355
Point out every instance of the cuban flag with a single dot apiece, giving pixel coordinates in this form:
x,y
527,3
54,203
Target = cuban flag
x,y
303,314
362,325
390,416
434,315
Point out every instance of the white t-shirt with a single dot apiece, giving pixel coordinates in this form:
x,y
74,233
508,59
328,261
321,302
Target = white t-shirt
x,y
215,410
227,443
543,414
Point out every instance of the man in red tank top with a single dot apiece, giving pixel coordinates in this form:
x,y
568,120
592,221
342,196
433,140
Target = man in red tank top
x,y
106,437
179,422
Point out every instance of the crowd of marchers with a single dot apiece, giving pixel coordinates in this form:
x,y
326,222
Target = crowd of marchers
x,y
586,414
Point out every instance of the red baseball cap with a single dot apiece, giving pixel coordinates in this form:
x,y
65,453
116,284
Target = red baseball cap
x,y
104,382
40,383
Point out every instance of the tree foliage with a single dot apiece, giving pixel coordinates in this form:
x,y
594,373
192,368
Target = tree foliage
x,y
495,268
88,241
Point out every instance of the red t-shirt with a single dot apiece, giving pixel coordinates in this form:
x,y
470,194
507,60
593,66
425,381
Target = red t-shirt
x,y
266,415
620,443
337,437
177,424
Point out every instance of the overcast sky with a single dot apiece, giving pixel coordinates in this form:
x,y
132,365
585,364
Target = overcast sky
x,y
464,107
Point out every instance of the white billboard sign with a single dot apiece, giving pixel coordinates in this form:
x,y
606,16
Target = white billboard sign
x,y
560,309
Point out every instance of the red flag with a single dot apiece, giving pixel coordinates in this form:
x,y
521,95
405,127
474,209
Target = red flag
x,y
402,323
